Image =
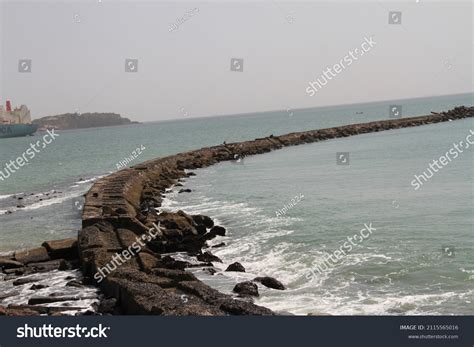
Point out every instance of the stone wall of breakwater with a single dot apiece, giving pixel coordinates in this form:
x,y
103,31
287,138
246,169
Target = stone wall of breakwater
x,y
121,207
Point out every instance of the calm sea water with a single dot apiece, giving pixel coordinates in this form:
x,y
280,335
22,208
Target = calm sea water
x,y
400,269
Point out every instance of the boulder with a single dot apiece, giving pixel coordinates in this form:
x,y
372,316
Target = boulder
x,y
204,220
270,282
25,280
246,288
184,191
66,248
237,267
217,230
6,263
32,255
208,257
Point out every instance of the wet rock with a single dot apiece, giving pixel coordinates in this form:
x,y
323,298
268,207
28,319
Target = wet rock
x,y
246,288
185,191
25,280
270,282
50,299
32,255
203,220
74,283
189,174
208,257
38,286
237,267
217,230
45,266
9,263
201,229
66,248
219,245
209,270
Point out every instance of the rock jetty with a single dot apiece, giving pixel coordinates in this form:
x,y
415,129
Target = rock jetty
x,y
123,207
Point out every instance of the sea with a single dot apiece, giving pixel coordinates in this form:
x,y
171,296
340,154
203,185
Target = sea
x,y
287,211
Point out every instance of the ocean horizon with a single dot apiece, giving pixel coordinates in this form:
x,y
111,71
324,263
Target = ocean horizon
x,y
400,269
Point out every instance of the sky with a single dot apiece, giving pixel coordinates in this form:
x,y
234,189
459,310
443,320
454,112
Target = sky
x,y
78,53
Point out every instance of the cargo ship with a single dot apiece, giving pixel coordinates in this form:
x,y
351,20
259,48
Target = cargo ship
x,y
15,123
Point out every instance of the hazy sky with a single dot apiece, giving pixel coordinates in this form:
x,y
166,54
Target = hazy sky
x,y
78,51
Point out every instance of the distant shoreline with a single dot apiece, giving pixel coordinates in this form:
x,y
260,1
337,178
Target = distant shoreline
x,y
121,207
69,121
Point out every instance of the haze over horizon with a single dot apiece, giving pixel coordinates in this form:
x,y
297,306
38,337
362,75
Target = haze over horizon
x,y
78,53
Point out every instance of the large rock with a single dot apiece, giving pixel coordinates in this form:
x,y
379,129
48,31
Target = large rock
x,y
66,248
208,257
203,220
32,255
217,230
235,267
6,263
246,288
270,282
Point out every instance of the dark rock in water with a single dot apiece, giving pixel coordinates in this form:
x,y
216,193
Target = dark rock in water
x,y
17,271
32,255
209,270
67,265
178,185
184,191
217,230
9,263
20,206
237,267
74,283
66,248
25,280
50,299
246,288
191,174
270,282
219,245
204,220
201,229
45,266
208,257
8,212
38,286
20,198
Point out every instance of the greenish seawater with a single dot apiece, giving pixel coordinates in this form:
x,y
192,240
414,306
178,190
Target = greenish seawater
x,y
400,269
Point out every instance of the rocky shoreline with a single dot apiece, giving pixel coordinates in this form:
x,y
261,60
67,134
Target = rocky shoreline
x,y
124,206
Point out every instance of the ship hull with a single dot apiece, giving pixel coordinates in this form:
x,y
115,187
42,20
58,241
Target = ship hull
x,y
17,130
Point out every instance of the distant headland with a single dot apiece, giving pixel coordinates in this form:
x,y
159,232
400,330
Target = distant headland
x,y
80,121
